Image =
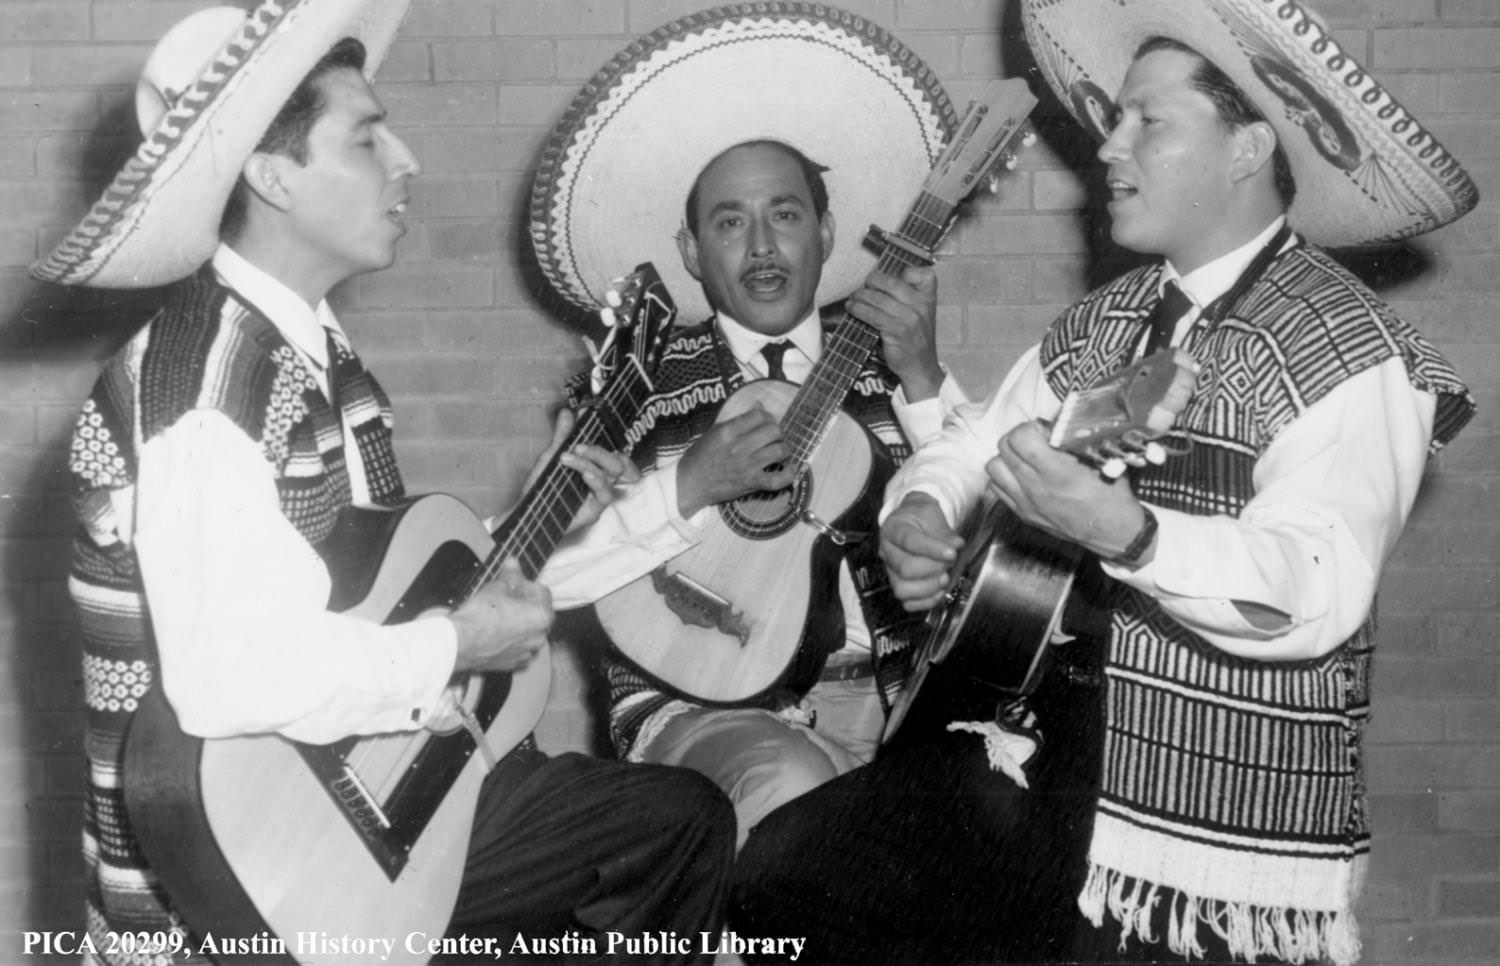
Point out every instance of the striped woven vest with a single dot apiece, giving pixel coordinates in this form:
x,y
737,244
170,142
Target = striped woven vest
x,y
203,349
697,373
1234,789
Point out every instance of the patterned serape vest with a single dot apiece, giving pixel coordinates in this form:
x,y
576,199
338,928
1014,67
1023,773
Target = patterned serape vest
x,y
696,374
1233,789
204,349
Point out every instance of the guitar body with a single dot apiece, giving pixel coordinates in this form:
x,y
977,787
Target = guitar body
x,y
1015,591
262,833
755,603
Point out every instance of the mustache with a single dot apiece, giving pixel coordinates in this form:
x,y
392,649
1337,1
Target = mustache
x,y
763,266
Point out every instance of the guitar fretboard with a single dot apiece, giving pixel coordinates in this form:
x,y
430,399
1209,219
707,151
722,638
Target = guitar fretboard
x,y
807,419
535,527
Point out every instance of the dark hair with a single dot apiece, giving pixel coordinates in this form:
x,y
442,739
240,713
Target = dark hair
x,y
288,132
812,173
1235,109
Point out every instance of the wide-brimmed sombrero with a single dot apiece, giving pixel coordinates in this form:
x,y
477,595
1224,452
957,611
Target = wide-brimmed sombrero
x,y
209,91
612,181
1367,171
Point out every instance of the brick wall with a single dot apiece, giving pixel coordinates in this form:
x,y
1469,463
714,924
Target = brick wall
x,y
474,363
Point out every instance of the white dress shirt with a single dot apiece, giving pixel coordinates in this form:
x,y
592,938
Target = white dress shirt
x,y
239,599
643,529
1295,574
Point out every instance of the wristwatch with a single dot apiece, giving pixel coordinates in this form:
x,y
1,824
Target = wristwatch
x,y
1132,554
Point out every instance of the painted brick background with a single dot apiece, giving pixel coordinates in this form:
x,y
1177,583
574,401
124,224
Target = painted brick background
x,y
461,337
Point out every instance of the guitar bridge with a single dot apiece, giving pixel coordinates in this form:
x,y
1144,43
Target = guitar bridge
x,y
697,606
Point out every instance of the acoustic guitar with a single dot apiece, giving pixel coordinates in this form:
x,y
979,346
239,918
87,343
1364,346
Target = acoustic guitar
x,y
262,836
1016,589
724,621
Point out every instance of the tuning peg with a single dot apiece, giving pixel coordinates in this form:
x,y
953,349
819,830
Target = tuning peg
x,y
1113,468
612,296
608,317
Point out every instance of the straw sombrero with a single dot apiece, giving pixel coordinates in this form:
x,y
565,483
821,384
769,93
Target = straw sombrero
x,y
615,173
1367,172
209,91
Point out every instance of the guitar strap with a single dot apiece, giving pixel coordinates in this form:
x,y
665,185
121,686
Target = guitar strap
x,y
1220,307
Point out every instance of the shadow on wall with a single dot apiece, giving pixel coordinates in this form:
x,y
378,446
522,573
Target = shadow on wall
x,y
53,340
60,336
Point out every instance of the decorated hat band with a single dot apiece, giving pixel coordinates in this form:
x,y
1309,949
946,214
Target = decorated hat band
x,y
211,88
610,188
1367,172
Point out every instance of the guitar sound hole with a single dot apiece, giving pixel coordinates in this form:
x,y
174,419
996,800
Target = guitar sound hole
x,y
766,513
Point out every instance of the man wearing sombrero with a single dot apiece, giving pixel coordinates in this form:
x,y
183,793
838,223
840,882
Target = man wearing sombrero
x,y
1216,773
699,149
211,461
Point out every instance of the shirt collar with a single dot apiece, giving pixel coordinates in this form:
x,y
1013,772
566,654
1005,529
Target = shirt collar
x,y
300,323
745,344
1207,282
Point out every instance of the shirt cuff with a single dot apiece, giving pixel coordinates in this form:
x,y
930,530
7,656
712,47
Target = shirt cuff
x,y
431,646
923,420
689,528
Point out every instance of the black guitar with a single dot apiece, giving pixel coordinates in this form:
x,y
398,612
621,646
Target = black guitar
x,y
1017,589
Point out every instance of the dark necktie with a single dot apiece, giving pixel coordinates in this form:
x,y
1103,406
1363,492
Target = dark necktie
x,y
773,351
343,366
1163,320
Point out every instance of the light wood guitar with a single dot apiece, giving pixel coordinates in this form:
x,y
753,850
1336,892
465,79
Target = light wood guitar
x,y
1017,589
755,604
366,837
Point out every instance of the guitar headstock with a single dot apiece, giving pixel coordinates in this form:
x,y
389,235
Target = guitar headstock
x,y
1115,423
990,136
637,315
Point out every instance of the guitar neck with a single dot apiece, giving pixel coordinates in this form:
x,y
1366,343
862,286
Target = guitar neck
x,y
807,419
538,523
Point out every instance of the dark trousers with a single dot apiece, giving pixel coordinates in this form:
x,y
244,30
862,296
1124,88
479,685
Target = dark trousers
x,y
573,846
927,856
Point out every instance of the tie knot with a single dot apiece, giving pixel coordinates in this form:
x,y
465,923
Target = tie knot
x,y
1175,302
773,351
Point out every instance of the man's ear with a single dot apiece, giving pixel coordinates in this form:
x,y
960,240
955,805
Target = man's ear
x,y
264,174
825,228
1255,144
687,247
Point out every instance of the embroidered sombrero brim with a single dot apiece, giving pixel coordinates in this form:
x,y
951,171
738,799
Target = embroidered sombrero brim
x,y
159,219
615,174
1367,171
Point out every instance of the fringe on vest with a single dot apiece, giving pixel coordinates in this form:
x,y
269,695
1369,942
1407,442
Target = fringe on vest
x,y
1285,933
1233,790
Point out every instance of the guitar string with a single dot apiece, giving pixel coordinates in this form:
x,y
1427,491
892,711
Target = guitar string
x,y
380,761
817,401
